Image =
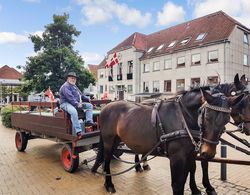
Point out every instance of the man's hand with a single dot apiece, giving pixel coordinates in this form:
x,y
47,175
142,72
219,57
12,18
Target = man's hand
x,y
79,105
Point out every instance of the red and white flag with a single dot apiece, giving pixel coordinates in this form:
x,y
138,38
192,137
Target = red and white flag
x,y
49,93
113,61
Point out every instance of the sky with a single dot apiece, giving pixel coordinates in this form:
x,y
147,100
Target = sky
x,y
103,23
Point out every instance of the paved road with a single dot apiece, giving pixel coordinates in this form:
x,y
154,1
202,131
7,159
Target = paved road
x,y
39,171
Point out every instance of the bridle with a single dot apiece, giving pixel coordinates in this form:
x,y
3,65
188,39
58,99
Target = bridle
x,y
204,107
240,125
201,117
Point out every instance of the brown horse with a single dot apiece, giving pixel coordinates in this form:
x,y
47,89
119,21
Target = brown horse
x,y
241,115
176,121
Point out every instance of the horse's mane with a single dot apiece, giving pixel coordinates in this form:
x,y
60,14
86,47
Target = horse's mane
x,y
193,89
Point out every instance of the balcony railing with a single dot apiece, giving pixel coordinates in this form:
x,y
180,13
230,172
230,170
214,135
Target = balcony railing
x,y
119,77
129,76
110,78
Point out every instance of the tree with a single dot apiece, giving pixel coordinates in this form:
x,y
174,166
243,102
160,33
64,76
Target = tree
x,y
55,58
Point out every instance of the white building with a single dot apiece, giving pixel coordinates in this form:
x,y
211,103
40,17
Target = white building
x,y
205,50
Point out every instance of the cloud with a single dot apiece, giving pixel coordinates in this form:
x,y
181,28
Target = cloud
x,y
1,7
240,10
13,38
170,14
92,58
101,11
38,33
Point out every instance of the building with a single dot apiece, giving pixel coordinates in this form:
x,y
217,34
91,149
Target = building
x,y
206,50
9,78
92,89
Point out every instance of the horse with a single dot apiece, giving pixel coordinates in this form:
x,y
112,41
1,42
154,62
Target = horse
x,y
174,121
240,113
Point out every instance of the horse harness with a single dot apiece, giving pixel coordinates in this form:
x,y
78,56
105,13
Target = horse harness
x,y
186,132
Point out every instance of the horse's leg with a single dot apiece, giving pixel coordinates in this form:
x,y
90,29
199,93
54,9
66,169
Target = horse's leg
x,y
205,179
100,157
179,173
145,165
192,182
108,152
138,167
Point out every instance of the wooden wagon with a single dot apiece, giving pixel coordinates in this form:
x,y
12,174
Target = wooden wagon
x,y
45,120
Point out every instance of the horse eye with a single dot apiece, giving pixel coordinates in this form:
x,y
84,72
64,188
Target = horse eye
x,y
233,93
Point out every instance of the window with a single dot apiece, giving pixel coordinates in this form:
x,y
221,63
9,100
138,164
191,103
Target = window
x,y
101,75
201,36
160,47
168,64
111,89
167,86
130,88
195,82
180,84
196,59
146,86
213,80
245,60
156,66
119,69
172,44
150,49
185,41
156,86
245,38
213,56
180,62
130,67
101,89
145,67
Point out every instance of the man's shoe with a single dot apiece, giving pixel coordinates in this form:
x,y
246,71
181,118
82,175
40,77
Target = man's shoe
x,y
90,123
79,135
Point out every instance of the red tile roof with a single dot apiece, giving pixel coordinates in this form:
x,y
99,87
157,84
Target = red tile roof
x,y
93,69
102,64
217,26
7,72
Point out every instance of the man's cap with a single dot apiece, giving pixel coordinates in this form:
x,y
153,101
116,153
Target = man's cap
x,y
71,74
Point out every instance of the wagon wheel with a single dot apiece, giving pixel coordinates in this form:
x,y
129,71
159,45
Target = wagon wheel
x,y
70,161
21,140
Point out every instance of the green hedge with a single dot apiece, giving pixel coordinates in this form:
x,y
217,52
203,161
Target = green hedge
x,y
6,115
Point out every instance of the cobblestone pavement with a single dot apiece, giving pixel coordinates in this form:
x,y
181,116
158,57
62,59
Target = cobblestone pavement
x,y
39,171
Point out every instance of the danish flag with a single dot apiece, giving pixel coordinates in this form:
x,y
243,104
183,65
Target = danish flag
x,y
113,61
49,93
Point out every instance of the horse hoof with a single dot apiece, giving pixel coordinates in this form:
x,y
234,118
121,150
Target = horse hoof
x,y
146,168
139,170
110,189
211,192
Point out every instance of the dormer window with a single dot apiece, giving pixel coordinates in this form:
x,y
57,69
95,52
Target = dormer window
x,y
185,41
172,43
201,36
150,49
160,47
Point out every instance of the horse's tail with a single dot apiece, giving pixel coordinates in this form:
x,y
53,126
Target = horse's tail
x,y
100,155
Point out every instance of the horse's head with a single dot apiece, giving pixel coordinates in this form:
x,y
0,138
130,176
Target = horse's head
x,y
214,114
241,114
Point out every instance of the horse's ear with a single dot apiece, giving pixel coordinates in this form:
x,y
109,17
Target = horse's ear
x,y
243,79
236,80
205,96
235,100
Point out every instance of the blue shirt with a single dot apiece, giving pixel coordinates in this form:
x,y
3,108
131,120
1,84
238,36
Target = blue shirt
x,y
71,94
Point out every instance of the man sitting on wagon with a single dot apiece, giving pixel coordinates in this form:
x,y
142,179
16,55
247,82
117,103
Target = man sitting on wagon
x,y
72,99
